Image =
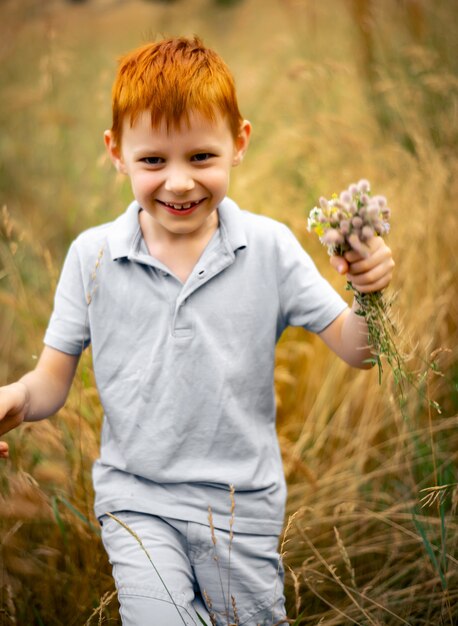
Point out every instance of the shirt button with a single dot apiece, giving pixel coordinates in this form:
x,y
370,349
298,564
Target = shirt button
x,y
201,273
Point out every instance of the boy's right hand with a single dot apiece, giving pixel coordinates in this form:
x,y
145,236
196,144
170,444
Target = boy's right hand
x,y
14,400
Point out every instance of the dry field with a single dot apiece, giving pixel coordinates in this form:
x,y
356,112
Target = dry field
x,y
337,90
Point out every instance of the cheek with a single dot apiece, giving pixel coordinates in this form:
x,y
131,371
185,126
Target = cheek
x,y
144,182
217,179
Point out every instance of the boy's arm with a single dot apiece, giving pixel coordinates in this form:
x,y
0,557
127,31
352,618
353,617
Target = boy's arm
x,y
38,394
347,337
368,270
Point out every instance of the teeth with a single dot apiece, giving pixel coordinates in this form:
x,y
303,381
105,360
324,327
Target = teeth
x,y
181,207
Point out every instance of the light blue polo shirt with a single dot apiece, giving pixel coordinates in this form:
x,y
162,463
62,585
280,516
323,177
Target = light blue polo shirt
x,y
185,372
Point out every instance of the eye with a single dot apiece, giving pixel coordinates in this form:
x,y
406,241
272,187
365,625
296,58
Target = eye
x,y
153,160
201,157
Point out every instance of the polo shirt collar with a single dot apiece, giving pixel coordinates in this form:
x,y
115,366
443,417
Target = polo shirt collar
x,y
124,232
232,224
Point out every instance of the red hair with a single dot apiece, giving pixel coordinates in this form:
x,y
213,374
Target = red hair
x,y
171,78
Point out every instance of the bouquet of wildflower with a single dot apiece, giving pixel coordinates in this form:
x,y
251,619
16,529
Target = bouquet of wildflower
x,y
347,222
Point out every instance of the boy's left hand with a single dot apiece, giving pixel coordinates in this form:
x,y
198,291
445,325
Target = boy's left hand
x,y
370,268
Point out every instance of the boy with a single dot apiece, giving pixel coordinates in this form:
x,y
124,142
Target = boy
x,y
183,298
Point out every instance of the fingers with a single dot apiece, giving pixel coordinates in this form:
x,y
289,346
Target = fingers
x,y
358,246
4,453
368,282
373,272
366,250
12,402
339,264
12,411
10,421
368,266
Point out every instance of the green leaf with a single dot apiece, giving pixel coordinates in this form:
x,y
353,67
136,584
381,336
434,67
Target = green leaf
x,y
298,618
201,620
40,622
77,513
429,550
59,520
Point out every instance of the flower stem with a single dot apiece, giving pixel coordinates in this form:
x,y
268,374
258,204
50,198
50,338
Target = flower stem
x,y
381,331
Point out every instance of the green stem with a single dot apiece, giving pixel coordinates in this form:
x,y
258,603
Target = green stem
x,y
381,331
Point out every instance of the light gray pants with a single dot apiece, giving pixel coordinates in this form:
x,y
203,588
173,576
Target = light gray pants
x,y
190,574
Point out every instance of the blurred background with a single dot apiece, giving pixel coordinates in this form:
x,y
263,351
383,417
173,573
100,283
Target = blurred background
x,y
336,90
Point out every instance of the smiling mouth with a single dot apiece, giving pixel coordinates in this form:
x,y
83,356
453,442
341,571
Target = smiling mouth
x,y
181,207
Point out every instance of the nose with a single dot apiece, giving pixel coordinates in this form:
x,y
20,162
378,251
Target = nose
x,y
179,181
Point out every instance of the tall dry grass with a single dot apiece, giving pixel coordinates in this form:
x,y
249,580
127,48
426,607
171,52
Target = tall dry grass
x,y
336,91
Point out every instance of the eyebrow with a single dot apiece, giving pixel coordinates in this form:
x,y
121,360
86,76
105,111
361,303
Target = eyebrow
x,y
145,150
157,151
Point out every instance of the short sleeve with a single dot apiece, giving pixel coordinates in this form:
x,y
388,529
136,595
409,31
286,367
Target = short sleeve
x,y
68,328
306,298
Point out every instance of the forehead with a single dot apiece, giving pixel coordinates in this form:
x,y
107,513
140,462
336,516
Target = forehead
x,y
192,125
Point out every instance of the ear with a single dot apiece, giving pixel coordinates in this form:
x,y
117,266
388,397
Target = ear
x,y
241,143
114,152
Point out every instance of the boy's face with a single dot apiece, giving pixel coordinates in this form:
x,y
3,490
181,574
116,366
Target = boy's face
x,y
180,175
